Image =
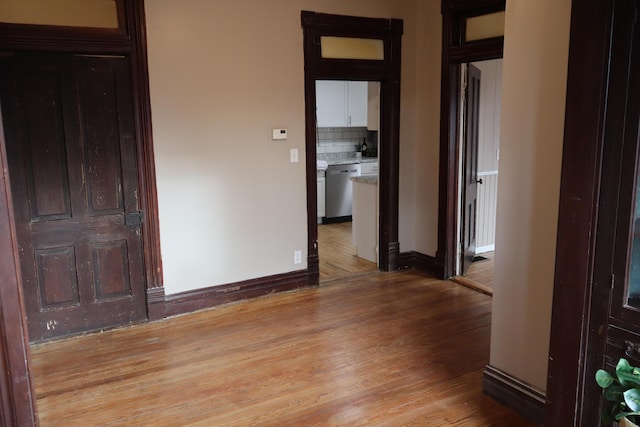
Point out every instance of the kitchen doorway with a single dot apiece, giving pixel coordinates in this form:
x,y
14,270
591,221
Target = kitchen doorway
x,y
333,52
348,121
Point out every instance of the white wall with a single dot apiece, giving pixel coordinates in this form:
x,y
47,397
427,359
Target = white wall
x,y
488,146
222,75
533,101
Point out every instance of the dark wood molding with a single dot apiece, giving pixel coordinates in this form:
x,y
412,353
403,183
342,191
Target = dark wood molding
x,y
313,268
156,303
582,152
199,299
454,53
514,394
17,394
429,265
477,51
421,262
386,71
44,38
146,160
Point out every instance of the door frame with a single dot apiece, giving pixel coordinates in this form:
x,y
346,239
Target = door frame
x,y
17,395
387,72
455,52
577,295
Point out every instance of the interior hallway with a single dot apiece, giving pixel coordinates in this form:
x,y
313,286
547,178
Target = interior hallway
x,y
386,349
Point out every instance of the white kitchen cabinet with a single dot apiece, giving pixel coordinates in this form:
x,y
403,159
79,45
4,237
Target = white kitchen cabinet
x,y
341,103
373,112
358,101
321,180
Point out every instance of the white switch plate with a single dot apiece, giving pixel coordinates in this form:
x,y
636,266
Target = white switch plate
x,y
294,155
297,257
279,134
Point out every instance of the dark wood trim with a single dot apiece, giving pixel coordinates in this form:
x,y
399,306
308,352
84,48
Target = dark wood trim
x,y
156,303
146,162
454,53
47,38
406,260
477,51
514,394
421,262
577,221
386,71
17,395
199,299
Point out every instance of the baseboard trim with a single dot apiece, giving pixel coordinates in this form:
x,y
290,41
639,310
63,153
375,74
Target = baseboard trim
x,y
421,262
406,260
199,299
513,393
155,303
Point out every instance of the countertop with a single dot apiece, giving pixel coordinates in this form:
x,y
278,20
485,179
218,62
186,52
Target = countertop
x,y
367,179
344,159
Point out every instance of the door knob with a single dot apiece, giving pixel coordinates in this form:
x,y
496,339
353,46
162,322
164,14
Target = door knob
x,y
479,181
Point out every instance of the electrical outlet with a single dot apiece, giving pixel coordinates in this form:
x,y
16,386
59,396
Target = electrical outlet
x,y
297,257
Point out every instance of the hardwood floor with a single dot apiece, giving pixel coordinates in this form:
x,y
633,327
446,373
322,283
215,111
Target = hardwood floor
x,y
479,276
337,253
386,349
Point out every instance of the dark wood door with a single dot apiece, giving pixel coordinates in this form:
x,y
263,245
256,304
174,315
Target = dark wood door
x,y
70,137
615,300
470,165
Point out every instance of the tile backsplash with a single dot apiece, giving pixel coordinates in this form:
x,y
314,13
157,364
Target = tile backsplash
x,y
340,140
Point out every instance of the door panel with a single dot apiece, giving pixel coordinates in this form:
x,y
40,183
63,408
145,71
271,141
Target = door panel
x,y
470,166
72,163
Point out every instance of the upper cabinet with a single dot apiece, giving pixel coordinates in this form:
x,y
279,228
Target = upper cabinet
x,y
373,113
341,103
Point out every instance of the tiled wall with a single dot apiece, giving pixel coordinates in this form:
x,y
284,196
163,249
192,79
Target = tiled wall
x,y
340,140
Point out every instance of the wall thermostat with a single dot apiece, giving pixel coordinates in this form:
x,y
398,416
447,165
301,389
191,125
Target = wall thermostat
x,y
279,134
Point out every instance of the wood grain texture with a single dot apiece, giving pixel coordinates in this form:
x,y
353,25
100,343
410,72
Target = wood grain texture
x,y
337,253
479,276
378,350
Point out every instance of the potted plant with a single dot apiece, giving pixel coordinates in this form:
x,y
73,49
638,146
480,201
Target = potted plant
x,y
358,150
621,394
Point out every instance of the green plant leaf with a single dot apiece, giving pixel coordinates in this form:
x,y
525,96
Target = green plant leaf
x,y
632,399
614,393
627,374
604,378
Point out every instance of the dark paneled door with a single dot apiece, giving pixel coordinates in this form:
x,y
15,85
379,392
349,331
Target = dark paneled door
x,y
70,137
470,165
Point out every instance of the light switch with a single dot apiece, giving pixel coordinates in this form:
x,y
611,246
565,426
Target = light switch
x,y
279,134
294,155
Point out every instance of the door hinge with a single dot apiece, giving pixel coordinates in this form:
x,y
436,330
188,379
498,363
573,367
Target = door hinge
x,y
134,218
613,281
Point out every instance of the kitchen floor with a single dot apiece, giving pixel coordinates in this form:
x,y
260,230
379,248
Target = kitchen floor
x,y
337,253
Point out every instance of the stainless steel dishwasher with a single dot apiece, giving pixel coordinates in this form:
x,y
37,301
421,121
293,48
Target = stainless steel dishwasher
x,y
340,190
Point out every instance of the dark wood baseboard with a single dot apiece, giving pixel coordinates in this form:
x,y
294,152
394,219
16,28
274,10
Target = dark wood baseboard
x,y
421,262
155,303
198,299
514,394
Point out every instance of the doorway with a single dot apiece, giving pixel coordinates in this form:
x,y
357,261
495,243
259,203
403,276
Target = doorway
x,y
379,62
348,117
480,153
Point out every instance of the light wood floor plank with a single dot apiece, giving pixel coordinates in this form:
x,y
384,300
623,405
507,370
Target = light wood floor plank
x,y
337,253
386,349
